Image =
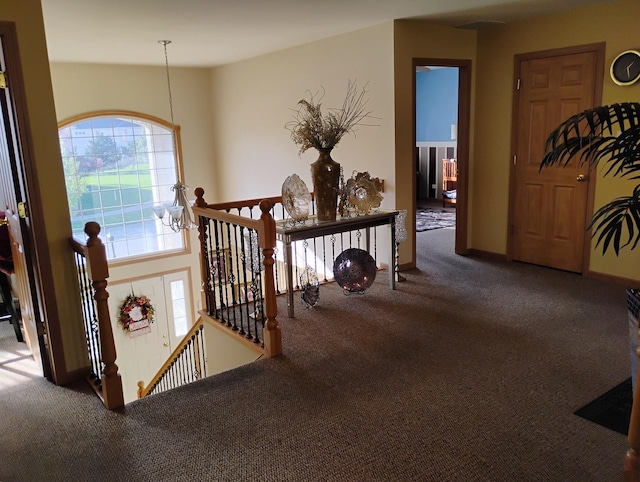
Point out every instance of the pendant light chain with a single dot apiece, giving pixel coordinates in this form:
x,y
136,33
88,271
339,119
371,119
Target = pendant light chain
x,y
173,125
180,212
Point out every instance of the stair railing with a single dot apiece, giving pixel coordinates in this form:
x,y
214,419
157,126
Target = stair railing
x,y
186,364
237,269
93,271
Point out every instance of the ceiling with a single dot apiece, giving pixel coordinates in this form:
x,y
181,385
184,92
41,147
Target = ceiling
x,y
207,33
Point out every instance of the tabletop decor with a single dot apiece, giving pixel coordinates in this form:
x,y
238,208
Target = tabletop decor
x,y
354,270
363,192
296,198
310,128
309,287
135,315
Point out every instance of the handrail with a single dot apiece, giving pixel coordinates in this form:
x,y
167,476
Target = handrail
x,y
265,227
198,362
93,272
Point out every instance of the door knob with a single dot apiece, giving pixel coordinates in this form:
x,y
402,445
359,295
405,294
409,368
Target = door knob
x,y
165,344
581,178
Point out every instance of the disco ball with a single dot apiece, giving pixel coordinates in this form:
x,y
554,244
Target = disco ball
x,y
354,270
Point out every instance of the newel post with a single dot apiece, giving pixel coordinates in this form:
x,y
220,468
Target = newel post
x,y
632,458
272,335
203,236
96,256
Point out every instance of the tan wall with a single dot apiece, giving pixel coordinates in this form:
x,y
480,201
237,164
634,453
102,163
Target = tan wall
x,y
252,101
614,23
83,88
49,185
413,39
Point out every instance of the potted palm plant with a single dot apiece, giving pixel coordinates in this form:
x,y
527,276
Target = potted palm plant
x,y
608,134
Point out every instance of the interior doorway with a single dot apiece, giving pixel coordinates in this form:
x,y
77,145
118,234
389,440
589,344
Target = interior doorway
x,y
441,120
15,169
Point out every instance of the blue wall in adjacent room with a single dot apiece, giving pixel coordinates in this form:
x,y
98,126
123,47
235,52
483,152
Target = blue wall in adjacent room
x,y
436,104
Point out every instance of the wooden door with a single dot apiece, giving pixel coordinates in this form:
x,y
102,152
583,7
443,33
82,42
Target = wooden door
x,y
550,206
140,357
13,186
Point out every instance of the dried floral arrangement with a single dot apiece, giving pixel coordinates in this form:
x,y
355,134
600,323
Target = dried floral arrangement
x,y
310,128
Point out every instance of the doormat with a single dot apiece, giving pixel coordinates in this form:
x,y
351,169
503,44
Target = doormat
x,y
611,410
427,219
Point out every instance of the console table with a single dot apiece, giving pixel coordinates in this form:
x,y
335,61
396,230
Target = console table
x,y
288,232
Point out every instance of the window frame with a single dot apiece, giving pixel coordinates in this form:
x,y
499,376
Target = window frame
x,y
87,116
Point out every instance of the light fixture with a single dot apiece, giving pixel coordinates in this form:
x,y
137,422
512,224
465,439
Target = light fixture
x,y
179,213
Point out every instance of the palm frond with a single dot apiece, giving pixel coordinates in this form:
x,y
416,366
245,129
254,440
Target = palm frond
x,y
618,222
610,133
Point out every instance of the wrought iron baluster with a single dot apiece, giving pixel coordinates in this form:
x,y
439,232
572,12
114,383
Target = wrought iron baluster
x,y
229,289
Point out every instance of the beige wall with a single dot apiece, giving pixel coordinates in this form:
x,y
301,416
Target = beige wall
x,y
413,39
83,88
49,187
252,101
614,23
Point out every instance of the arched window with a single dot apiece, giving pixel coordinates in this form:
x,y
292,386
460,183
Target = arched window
x,y
117,166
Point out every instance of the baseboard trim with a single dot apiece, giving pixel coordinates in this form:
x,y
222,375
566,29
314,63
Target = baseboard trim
x,y
628,282
486,254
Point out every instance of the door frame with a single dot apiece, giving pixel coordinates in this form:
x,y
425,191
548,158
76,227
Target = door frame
x,y
464,122
43,291
599,49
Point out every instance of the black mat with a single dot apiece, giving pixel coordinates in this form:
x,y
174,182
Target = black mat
x,y
611,410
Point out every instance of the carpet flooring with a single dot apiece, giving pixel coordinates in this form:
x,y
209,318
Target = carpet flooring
x,y
471,370
434,218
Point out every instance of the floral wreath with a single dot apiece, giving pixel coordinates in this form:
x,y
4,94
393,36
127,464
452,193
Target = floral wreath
x,y
133,309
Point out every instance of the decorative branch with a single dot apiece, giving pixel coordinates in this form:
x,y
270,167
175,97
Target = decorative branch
x,y
311,129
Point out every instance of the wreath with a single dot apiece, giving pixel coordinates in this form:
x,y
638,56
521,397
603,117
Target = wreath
x,y
135,309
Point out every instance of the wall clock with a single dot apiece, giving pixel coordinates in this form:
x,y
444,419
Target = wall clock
x,y
625,68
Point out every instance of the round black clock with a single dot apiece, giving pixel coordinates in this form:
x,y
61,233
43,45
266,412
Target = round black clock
x,y
625,68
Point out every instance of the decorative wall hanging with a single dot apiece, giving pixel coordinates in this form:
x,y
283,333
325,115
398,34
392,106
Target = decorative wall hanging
x,y
354,270
135,315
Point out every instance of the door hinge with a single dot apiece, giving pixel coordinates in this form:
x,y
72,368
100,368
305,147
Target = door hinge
x,y
3,81
518,84
512,229
22,210
515,159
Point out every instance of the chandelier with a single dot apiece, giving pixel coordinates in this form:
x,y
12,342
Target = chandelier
x,y
177,216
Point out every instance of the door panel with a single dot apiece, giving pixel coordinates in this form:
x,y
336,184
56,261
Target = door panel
x,y
139,358
14,189
550,206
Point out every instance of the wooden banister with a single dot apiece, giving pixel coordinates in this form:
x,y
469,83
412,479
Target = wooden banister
x,y
265,226
188,338
95,256
272,335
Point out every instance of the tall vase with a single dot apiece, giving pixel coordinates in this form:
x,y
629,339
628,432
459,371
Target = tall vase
x,y
325,174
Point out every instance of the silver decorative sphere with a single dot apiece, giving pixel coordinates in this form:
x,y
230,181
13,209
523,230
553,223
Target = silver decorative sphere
x,y
354,270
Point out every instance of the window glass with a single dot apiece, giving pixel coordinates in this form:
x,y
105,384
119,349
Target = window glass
x,y
116,169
